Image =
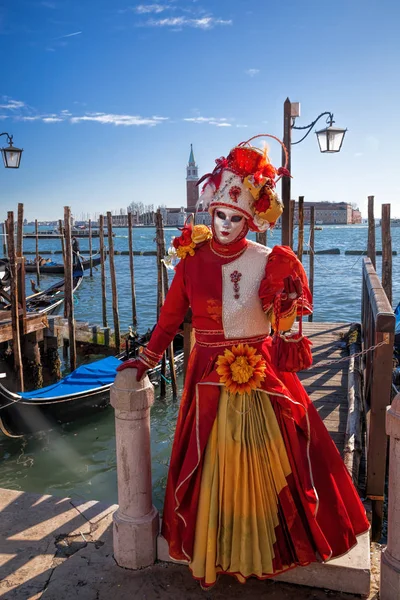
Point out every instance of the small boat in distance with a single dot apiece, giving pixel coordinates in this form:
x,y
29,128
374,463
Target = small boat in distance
x,y
44,302
54,233
58,268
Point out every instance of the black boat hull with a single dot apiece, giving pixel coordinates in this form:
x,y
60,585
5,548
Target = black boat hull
x,y
23,417
59,268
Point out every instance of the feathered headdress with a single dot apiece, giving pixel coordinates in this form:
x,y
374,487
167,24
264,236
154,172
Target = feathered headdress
x,y
245,181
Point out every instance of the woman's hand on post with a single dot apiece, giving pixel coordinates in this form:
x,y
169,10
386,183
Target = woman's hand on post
x,y
137,364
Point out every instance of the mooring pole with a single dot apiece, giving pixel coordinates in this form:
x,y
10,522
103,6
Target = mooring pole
x,y
371,252
37,252
311,255
300,240
113,284
20,227
90,248
103,271
68,287
164,277
292,210
5,239
386,252
132,269
160,295
14,302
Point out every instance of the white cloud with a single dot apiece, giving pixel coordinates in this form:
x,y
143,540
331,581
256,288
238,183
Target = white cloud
x,y
69,35
252,72
112,119
241,125
143,9
179,22
52,119
11,104
210,120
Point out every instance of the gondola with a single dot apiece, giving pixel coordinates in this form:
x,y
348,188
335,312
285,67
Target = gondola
x,y
47,301
58,268
84,391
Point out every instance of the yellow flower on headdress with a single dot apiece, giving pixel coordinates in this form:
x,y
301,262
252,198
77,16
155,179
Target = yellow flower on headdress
x,y
201,233
241,369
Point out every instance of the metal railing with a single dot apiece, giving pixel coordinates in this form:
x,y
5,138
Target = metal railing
x,y
378,322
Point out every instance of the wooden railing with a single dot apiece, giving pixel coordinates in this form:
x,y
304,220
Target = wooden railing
x,y
378,323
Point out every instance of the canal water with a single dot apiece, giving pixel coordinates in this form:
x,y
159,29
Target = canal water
x,y
79,458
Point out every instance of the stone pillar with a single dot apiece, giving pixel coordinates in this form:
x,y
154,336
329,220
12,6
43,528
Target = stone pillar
x,y
136,522
390,561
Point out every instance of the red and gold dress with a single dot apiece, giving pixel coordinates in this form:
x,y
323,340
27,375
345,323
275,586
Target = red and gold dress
x,y
256,486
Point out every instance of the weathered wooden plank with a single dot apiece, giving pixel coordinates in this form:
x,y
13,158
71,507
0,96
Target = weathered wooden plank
x,y
32,324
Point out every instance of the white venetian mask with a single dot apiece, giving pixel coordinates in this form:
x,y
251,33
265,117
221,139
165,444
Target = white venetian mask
x,y
228,224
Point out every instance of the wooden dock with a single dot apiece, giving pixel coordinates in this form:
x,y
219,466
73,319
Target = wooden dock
x,y
327,385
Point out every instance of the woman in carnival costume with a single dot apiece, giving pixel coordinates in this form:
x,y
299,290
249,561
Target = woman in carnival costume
x,y
256,486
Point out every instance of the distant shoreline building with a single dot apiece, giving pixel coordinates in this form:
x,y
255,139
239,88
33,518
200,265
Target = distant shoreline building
x,y
330,213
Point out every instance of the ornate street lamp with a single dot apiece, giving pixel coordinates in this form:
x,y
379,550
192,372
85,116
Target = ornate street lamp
x,y
330,139
11,154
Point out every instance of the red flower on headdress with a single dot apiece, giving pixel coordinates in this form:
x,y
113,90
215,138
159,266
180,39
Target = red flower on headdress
x,y
185,239
263,203
283,172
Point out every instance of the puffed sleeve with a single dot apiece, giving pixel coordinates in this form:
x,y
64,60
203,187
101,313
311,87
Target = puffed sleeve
x,y
172,314
282,262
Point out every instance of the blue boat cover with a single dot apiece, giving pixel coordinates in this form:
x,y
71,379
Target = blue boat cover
x,y
397,313
83,379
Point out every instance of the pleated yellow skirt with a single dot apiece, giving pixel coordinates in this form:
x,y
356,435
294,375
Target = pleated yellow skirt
x,y
245,469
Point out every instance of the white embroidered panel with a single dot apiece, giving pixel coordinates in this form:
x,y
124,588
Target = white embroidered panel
x,y
244,317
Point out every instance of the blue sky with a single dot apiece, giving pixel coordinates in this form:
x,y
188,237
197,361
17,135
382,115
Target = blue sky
x,y
106,97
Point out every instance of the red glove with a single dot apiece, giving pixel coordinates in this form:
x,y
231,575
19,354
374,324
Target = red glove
x,y
134,363
292,289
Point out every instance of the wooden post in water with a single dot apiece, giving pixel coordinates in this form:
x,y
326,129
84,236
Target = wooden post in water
x,y
90,248
20,227
131,265
386,252
5,239
311,251
68,287
164,273
61,230
113,284
292,211
371,253
261,238
37,252
14,302
62,233
21,269
300,241
103,257
160,293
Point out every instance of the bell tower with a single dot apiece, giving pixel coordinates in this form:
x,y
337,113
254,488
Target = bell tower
x,y
192,177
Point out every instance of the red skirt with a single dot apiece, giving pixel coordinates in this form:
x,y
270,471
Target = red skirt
x,y
319,513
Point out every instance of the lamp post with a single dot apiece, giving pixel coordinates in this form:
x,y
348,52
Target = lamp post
x,y
330,139
11,154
